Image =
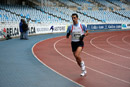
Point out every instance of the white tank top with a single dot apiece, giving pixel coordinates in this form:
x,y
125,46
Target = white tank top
x,y
76,32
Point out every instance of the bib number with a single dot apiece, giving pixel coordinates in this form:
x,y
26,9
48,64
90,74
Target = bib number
x,y
76,35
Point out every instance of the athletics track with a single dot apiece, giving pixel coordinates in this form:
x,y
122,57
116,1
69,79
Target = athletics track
x,y
106,54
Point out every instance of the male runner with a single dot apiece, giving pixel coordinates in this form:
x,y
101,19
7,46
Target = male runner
x,y
78,32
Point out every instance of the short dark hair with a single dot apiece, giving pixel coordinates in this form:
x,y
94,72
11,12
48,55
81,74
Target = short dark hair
x,y
75,15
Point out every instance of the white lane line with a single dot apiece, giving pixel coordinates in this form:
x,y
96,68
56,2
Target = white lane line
x,y
91,42
107,40
106,61
50,67
123,39
86,66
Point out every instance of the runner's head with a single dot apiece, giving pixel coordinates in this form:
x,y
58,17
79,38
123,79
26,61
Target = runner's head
x,y
75,18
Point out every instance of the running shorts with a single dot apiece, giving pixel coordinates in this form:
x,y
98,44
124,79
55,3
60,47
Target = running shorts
x,y
75,45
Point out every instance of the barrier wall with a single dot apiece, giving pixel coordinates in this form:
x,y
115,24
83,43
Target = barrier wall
x,y
13,29
126,26
103,26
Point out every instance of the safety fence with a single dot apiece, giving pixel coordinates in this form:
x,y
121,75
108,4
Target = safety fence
x,y
34,29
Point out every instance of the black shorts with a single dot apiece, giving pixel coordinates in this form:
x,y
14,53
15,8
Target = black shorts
x,y
75,45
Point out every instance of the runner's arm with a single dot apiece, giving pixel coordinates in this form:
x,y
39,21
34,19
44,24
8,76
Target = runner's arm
x,y
85,34
85,29
68,32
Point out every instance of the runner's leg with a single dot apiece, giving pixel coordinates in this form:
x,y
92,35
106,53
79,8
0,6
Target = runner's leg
x,y
80,61
77,55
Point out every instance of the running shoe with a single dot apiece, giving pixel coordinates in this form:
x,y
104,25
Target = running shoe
x,y
83,73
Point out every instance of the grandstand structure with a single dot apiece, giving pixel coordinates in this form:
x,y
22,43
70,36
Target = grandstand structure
x,y
59,11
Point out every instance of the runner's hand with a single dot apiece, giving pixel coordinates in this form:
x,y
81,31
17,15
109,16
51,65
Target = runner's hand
x,y
82,37
68,34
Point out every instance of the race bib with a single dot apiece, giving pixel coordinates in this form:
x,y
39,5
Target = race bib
x,y
76,35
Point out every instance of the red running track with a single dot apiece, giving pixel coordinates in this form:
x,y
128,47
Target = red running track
x,y
106,55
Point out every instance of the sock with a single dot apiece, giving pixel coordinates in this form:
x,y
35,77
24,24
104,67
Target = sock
x,y
82,63
82,66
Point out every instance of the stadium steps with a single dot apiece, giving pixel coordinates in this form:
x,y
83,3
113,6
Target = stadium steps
x,y
75,2
58,3
112,3
126,2
49,13
99,4
90,16
65,5
93,2
34,2
120,14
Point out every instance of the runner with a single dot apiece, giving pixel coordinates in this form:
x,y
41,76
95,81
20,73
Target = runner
x,y
78,32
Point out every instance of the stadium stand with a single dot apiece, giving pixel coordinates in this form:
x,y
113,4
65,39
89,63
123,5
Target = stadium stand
x,y
59,11
125,13
106,16
68,3
8,17
84,2
118,3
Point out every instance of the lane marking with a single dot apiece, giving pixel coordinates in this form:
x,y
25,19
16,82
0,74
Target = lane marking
x,y
50,67
86,66
91,42
107,40
123,39
107,61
